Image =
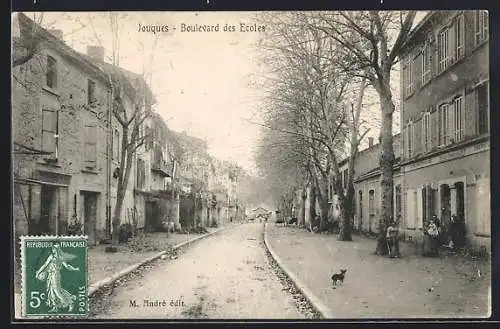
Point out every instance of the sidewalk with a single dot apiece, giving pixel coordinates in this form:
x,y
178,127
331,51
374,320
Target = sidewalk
x,y
380,287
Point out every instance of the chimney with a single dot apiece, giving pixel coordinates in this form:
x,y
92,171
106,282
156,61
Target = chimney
x,y
57,33
96,52
370,141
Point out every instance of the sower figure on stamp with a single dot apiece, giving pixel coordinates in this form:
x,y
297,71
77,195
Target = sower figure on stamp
x,y
50,271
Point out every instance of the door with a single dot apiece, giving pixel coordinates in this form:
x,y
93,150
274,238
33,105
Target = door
x,y
48,210
152,219
90,216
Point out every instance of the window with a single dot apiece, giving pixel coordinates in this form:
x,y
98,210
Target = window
x,y
426,132
483,105
90,146
371,202
426,64
116,145
458,116
346,176
50,131
443,50
51,74
459,36
408,78
90,92
409,139
480,26
443,124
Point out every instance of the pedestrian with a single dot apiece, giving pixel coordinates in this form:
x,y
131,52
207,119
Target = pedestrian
x,y
431,242
392,240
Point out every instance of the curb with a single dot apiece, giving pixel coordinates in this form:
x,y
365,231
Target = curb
x,y
95,287
315,302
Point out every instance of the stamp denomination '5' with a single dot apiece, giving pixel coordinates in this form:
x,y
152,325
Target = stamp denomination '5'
x,y
54,275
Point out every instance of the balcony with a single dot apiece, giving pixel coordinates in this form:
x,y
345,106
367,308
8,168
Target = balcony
x,y
161,168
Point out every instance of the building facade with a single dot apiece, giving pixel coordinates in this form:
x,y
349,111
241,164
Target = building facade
x,y
60,112
445,162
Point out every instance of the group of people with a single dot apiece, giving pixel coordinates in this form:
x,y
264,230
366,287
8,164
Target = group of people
x,y
437,233
450,234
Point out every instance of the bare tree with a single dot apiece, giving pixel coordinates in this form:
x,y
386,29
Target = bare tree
x,y
310,90
127,86
371,43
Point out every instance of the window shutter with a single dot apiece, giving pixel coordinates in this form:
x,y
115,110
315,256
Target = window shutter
x,y
417,130
417,71
90,145
434,129
418,219
451,44
49,130
450,122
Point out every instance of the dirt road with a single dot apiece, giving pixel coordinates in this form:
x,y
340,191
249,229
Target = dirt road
x,y
225,276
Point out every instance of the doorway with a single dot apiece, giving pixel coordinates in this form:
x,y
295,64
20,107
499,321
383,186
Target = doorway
x,y
152,216
360,213
48,210
90,216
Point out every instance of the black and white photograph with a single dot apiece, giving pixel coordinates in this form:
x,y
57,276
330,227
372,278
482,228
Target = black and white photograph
x,y
251,165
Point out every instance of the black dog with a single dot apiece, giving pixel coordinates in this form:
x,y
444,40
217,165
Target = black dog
x,y
339,277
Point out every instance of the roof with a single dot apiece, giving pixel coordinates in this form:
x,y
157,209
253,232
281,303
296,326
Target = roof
x,y
395,138
99,68
26,25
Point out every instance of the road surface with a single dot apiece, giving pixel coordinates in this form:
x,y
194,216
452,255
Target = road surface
x,y
225,276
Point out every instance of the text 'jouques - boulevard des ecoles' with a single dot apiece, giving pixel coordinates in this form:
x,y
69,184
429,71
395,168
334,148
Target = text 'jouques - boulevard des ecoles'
x,y
183,27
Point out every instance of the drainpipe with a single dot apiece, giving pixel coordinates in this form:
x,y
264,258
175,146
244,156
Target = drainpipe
x,y
109,154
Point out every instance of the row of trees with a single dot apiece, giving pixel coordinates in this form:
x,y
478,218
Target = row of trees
x,y
319,66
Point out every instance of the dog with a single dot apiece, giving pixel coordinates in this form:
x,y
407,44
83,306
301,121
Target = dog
x,y
339,277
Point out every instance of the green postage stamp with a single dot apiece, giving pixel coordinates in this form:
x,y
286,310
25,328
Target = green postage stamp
x,y
54,272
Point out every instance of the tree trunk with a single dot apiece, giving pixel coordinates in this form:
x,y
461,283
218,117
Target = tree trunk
x,y
324,206
303,198
120,196
346,215
312,207
386,169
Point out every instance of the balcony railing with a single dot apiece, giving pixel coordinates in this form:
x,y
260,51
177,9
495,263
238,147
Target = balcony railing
x,y
161,168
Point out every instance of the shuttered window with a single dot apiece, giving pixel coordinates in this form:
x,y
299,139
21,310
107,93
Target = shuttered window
x,y
443,50
443,124
483,104
458,119
50,133
425,60
481,27
90,146
426,132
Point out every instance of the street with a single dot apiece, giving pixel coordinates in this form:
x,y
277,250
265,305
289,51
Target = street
x,y
223,276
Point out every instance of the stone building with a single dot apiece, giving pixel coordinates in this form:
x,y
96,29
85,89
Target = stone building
x,y
445,164
60,113
367,188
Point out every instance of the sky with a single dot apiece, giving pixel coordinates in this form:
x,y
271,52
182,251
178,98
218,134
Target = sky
x,y
201,79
